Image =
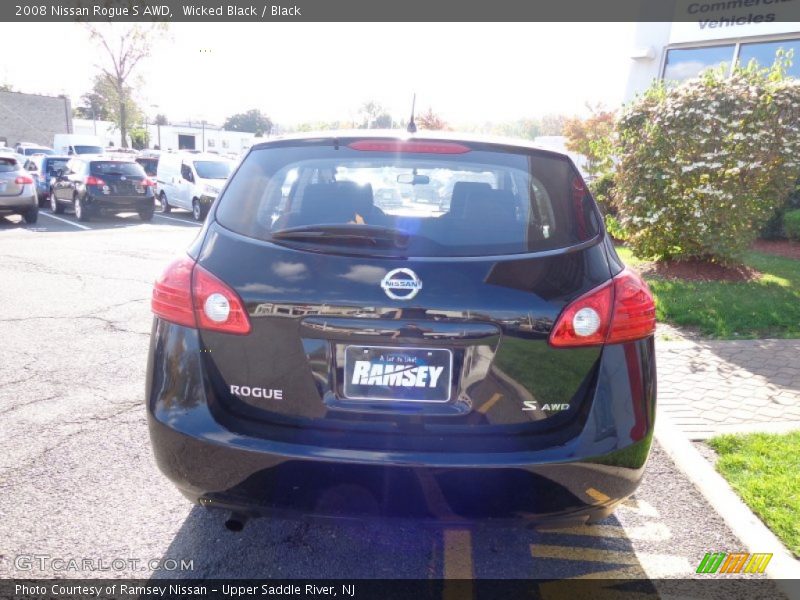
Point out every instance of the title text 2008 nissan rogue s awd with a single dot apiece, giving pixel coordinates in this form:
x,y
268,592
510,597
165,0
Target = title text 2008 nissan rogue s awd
x,y
484,357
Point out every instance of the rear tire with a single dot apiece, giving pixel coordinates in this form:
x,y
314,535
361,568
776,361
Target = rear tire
x,y
55,206
31,215
146,215
198,211
163,203
80,210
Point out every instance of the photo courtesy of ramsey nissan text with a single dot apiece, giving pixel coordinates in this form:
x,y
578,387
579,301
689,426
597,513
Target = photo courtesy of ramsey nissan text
x,y
425,301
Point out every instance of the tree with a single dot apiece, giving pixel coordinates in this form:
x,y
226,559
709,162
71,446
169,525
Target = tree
x,y
124,49
104,103
430,120
703,165
374,116
552,125
6,87
97,103
252,121
161,120
593,138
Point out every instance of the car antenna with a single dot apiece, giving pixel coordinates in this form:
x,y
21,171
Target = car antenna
x,y
412,127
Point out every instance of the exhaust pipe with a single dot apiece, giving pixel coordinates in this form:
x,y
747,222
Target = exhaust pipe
x,y
235,522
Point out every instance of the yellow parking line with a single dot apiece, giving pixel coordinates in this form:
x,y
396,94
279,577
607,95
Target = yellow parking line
x,y
487,406
597,495
650,532
458,554
576,553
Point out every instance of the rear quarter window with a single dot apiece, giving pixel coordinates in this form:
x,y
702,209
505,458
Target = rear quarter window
x,y
482,202
8,165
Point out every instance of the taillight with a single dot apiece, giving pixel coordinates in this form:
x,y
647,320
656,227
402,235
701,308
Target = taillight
x,y
147,182
172,293
187,294
618,311
412,146
634,309
217,306
92,180
23,180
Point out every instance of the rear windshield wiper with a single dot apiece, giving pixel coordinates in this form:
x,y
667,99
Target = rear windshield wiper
x,y
372,235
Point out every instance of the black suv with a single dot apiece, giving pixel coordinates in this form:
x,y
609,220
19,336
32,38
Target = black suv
x,y
94,184
315,352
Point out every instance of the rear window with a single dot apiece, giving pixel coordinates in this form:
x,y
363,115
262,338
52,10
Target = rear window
x,y
131,169
472,203
56,164
88,149
212,169
8,165
150,165
31,151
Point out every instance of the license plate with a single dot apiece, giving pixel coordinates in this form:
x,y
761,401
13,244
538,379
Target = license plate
x,y
399,374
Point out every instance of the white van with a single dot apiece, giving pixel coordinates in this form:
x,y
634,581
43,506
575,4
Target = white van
x,y
190,180
75,143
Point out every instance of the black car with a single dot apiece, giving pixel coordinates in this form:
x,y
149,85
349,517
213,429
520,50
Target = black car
x,y
94,184
315,353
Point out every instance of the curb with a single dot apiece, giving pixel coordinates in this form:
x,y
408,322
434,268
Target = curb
x,y
740,519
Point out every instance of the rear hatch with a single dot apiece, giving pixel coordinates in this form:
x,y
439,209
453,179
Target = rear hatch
x,y
118,178
11,173
407,325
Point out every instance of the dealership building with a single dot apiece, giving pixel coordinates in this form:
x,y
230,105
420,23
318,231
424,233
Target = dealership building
x,y
740,32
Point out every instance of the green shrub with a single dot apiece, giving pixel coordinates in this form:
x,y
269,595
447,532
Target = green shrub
x,y
614,229
791,224
602,188
773,230
703,164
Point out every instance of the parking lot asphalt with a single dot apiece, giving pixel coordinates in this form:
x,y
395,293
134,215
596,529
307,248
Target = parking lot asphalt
x,y
78,480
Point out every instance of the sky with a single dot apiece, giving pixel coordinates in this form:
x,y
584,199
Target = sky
x,y
469,73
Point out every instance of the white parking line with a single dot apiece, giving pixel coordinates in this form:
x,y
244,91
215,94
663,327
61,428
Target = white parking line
x,y
78,225
179,220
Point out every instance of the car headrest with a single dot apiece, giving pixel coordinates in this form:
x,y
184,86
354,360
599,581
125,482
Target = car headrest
x,y
462,190
490,206
336,202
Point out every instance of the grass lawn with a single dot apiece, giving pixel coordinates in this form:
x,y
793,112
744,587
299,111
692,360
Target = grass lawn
x,y
763,469
767,308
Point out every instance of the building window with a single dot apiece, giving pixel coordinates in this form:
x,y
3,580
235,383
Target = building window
x,y
764,53
210,143
685,63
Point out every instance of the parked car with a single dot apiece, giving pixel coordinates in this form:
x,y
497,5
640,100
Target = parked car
x,y
149,164
17,189
44,170
190,180
96,183
74,143
29,149
316,354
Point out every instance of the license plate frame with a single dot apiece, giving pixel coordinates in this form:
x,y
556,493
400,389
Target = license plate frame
x,y
409,357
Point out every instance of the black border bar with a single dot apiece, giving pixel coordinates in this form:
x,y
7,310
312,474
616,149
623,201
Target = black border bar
x,y
726,13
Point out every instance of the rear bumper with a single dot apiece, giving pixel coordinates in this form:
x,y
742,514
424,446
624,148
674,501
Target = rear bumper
x,y
18,203
134,203
581,479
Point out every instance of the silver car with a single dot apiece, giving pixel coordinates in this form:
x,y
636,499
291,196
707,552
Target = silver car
x,y
17,189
